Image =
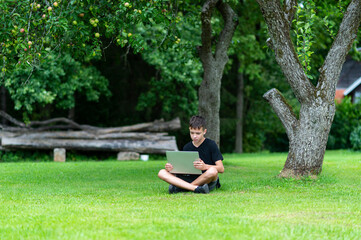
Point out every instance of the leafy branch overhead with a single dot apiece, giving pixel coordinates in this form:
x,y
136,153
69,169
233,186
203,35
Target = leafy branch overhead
x,y
46,47
31,30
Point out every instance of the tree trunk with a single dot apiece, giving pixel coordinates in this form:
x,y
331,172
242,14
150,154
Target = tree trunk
x,y
209,102
71,114
240,114
308,144
71,111
3,103
213,63
307,135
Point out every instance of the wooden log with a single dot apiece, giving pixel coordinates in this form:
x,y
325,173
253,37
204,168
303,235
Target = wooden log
x,y
156,126
11,119
56,120
89,135
142,138
120,145
6,134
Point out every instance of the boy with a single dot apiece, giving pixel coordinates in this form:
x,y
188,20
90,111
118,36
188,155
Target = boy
x,y
210,162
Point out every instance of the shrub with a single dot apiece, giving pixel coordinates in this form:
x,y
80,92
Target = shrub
x,y
347,118
355,138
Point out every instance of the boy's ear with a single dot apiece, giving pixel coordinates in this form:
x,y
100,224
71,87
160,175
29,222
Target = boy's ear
x,y
205,130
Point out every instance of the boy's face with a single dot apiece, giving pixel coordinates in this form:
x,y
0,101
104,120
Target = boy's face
x,y
197,134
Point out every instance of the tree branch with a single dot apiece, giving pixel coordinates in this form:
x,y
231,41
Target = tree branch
x,y
11,119
278,21
290,8
331,69
230,24
283,110
54,120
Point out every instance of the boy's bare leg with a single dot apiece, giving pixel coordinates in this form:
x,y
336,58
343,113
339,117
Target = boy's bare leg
x,y
171,179
208,176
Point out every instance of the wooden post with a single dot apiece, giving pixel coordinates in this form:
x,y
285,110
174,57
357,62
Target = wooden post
x,y
59,154
127,156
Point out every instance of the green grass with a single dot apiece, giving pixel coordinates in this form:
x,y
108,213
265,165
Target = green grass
x,y
126,200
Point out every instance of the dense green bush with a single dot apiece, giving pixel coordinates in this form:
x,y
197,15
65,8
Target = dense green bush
x,y
347,118
355,138
25,156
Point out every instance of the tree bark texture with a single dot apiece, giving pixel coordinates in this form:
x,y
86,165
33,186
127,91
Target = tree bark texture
x,y
214,63
308,133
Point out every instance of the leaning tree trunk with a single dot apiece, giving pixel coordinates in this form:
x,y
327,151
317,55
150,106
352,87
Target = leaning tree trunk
x,y
309,133
213,64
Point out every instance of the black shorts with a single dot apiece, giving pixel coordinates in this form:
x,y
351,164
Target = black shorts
x,y
187,177
191,177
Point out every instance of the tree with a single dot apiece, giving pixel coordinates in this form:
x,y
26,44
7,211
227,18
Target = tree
x,y
32,31
307,133
214,59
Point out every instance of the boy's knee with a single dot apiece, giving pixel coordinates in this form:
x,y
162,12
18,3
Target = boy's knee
x,y
161,173
212,172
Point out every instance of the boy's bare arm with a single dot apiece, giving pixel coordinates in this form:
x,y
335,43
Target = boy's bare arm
x,y
202,166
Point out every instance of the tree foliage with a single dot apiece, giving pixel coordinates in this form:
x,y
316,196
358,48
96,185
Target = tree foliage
x,y
315,26
33,32
72,37
174,89
347,118
56,80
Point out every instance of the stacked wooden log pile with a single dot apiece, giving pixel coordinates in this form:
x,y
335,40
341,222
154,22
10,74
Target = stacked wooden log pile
x,y
151,137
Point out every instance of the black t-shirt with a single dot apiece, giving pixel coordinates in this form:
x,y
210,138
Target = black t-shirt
x,y
208,151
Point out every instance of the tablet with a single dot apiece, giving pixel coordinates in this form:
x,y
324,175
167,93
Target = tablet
x,y
182,162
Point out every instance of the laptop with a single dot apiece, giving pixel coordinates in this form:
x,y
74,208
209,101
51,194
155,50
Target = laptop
x,y
182,162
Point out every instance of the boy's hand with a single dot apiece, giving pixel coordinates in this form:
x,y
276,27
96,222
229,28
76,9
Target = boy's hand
x,y
168,167
199,164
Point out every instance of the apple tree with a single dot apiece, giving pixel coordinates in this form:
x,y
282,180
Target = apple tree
x,y
34,33
308,132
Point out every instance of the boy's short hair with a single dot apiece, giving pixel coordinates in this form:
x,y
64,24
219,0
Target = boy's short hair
x,y
197,122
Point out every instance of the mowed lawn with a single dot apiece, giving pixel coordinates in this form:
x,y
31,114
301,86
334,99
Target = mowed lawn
x,y
126,200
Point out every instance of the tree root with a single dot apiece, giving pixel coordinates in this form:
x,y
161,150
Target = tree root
x,y
300,173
